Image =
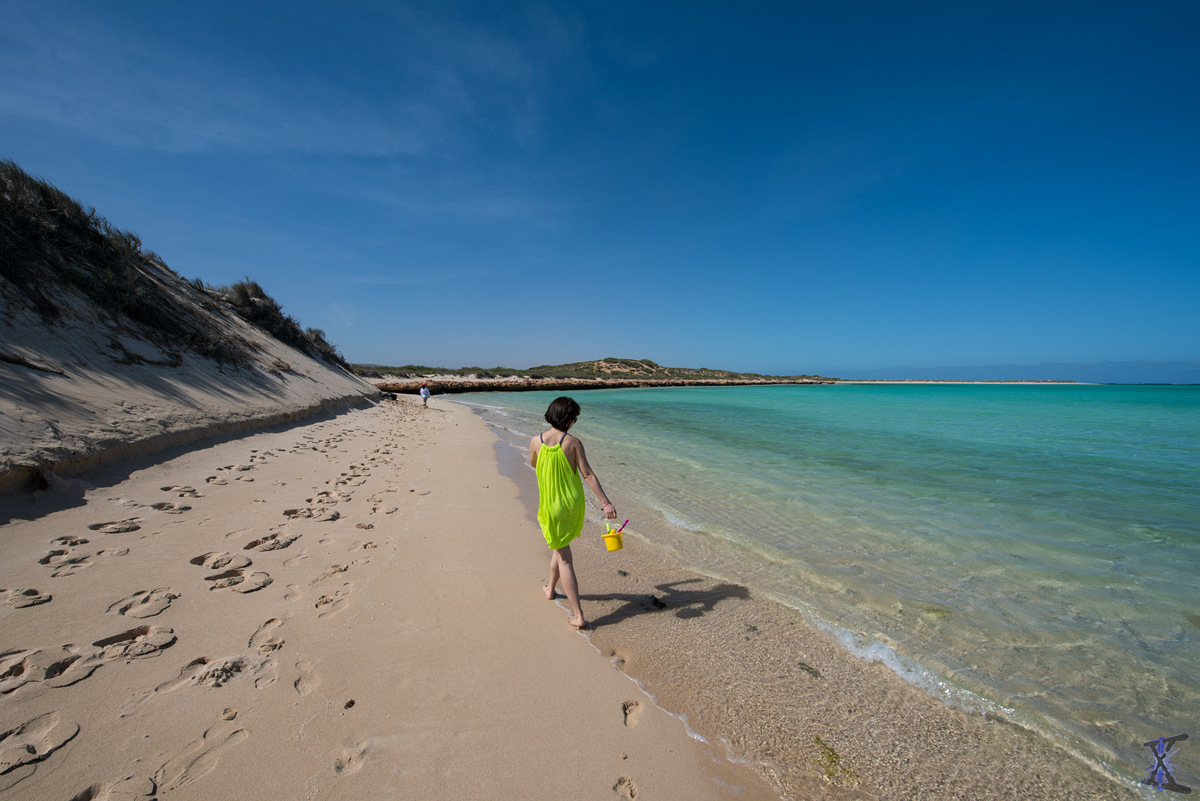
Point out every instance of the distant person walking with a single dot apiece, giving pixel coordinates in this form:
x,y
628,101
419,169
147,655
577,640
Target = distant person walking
x,y
425,393
562,467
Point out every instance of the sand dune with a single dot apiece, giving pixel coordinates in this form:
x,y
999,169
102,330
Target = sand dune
x,y
82,391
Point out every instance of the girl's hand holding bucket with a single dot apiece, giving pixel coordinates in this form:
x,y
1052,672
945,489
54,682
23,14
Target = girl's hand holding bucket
x,y
612,537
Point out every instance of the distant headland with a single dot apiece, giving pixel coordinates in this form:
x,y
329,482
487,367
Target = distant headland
x,y
608,373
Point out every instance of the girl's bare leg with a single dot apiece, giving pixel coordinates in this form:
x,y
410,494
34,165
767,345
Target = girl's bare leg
x,y
566,574
550,594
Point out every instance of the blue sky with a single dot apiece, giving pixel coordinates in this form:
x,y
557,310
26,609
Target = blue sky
x,y
848,188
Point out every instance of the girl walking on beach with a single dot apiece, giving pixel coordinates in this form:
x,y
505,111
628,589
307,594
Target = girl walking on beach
x,y
561,467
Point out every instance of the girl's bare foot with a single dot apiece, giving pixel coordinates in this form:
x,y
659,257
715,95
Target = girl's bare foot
x,y
550,593
578,622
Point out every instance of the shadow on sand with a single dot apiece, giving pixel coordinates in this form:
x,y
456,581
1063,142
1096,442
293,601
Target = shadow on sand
x,y
684,603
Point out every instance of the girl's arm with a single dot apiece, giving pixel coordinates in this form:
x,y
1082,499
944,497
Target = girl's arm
x,y
585,471
533,451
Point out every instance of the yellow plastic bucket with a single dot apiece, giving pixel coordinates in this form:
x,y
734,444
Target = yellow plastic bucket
x,y
612,537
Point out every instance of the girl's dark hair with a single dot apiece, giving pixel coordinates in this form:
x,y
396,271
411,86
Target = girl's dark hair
x,y
562,412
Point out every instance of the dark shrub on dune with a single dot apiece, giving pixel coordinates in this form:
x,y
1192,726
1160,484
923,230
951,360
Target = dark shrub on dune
x,y
49,241
255,306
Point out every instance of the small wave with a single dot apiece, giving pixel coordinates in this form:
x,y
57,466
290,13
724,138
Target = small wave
x,y
871,650
675,517
497,410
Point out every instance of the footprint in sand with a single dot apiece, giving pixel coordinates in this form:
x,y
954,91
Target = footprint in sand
x,y
27,744
266,674
116,527
332,604
365,526
144,641
198,758
206,672
272,542
215,480
68,542
144,603
15,670
242,581
19,599
632,711
363,546
293,594
57,668
323,515
55,557
328,496
219,560
106,552
350,760
625,788
264,640
308,681
182,492
332,570
171,508
127,788
66,562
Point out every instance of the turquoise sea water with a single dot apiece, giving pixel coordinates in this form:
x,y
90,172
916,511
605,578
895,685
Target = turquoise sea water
x,y
1028,550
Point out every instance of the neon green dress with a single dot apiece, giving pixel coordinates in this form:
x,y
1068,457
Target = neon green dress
x,y
560,497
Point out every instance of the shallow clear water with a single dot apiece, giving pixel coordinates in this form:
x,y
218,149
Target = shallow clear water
x,y
1025,549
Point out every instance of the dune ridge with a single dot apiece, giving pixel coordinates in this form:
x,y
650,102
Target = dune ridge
x,y
106,352
76,393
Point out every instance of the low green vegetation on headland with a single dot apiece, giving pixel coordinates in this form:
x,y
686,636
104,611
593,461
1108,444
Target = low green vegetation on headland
x,y
53,248
626,369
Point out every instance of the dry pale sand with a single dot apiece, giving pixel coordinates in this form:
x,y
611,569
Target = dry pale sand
x,y
346,608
